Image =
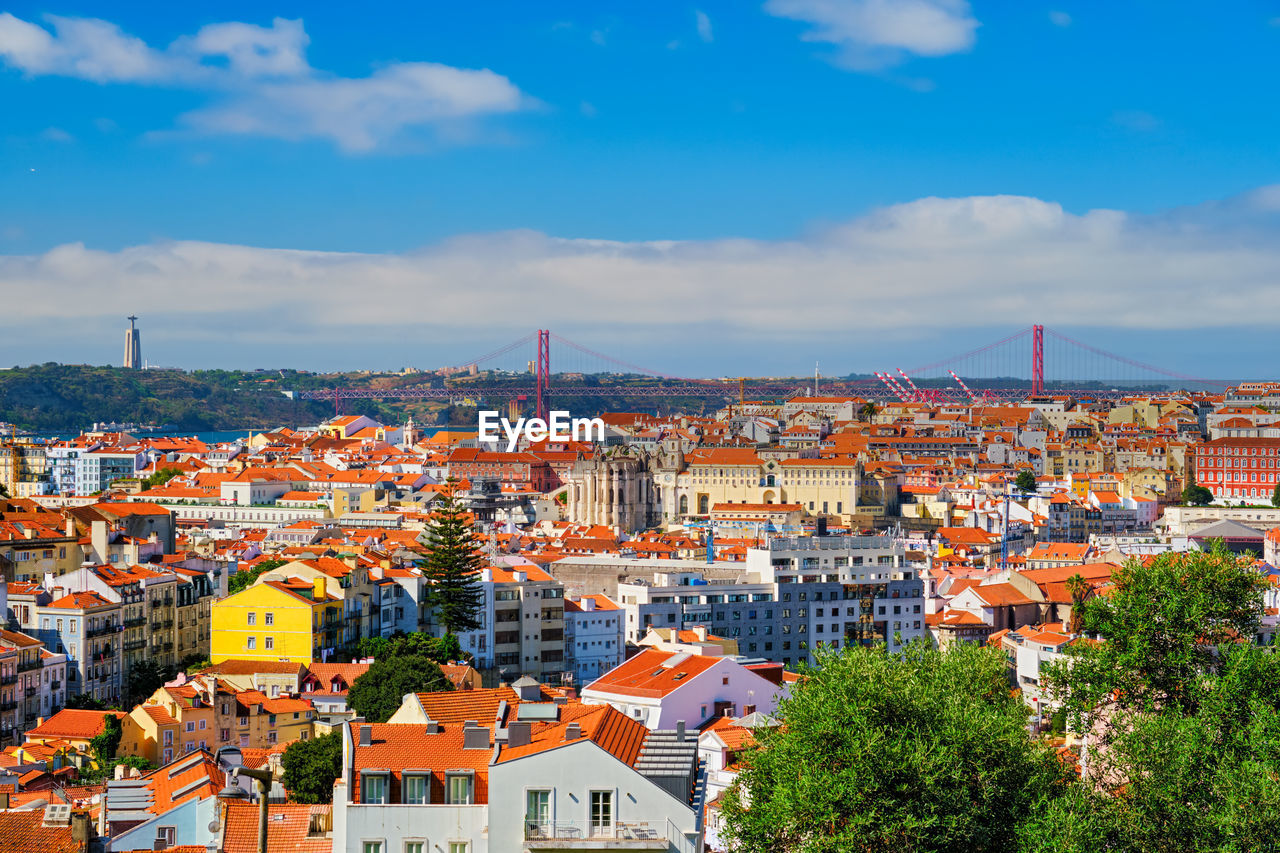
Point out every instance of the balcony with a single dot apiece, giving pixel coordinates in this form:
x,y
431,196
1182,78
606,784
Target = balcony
x,y
31,691
8,706
55,684
99,632
29,665
583,835
8,679
135,623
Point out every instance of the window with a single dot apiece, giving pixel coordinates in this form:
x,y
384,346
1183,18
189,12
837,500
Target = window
x,y
270,618
537,813
251,643
167,834
457,847
372,847
373,789
416,788
191,725
458,789
415,847
270,642
253,618
601,813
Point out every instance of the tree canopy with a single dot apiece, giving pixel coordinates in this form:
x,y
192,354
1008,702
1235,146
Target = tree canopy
x,y
1181,714
453,564
439,649
925,750
1025,481
377,694
311,767
244,578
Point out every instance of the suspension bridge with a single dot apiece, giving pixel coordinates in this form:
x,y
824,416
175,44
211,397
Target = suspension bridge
x,y
1030,362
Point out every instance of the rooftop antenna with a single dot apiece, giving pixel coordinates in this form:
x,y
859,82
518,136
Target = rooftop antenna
x,y
815,379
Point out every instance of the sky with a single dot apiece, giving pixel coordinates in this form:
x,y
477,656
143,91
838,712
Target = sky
x,y
708,189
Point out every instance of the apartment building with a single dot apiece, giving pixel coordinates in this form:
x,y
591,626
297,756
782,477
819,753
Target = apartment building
x,y
594,636
802,592
522,623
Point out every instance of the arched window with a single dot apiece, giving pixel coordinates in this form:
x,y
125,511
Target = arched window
x,y
684,504
703,505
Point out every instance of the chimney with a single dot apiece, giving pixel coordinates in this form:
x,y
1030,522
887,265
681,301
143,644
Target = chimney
x,y
519,733
318,592
680,730
70,526
366,735
700,631
81,828
433,727
588,603
573,731
486,576
474,736
4,800
520,576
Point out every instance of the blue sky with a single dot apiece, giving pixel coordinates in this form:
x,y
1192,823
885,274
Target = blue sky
x,y
929,173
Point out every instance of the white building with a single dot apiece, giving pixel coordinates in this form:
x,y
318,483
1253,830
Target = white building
x,y
593,636
542,776
666,689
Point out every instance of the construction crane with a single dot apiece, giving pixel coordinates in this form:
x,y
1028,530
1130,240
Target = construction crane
x,y
915,392
1004,536
894,388
972,397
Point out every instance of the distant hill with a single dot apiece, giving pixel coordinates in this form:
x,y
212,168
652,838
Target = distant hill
x,y
66,398
58,397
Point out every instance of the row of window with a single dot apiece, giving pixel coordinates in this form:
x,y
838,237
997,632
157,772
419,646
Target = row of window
x,y
269,618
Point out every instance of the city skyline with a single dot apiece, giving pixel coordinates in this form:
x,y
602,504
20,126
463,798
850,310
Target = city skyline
x,y
681,185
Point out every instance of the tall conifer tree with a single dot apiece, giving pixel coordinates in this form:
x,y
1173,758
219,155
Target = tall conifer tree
x,y
453,564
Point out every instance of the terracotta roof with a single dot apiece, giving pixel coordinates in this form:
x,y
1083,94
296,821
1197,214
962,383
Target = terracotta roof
x,y
610,729
396,747
73,723
287,829
251,667
24,832
458,706
653,673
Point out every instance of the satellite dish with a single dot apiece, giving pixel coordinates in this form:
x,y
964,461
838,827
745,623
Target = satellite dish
x,y
214,826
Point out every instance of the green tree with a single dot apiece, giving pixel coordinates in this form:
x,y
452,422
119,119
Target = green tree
x,y
926,750
1275,496
311,767
439,649
1160,625
1181,713
1078,589
1025,481
1194,495
377,694
86,702
453,564
244,578
159,477
867,410
105,743
145,677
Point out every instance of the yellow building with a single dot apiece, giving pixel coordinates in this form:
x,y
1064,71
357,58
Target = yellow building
x,y
290,620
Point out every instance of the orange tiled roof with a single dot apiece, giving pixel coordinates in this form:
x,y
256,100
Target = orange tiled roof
x,y
24,831
287,828
73,723
396,747
610,729
645,674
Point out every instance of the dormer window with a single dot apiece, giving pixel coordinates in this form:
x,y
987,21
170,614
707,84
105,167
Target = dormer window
x,y
459,787
374,786
416,787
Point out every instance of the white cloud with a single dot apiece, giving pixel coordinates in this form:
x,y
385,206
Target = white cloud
x,y
260,81
358,114
56,134
254,51
876,34
703,24
1059,19
930,264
